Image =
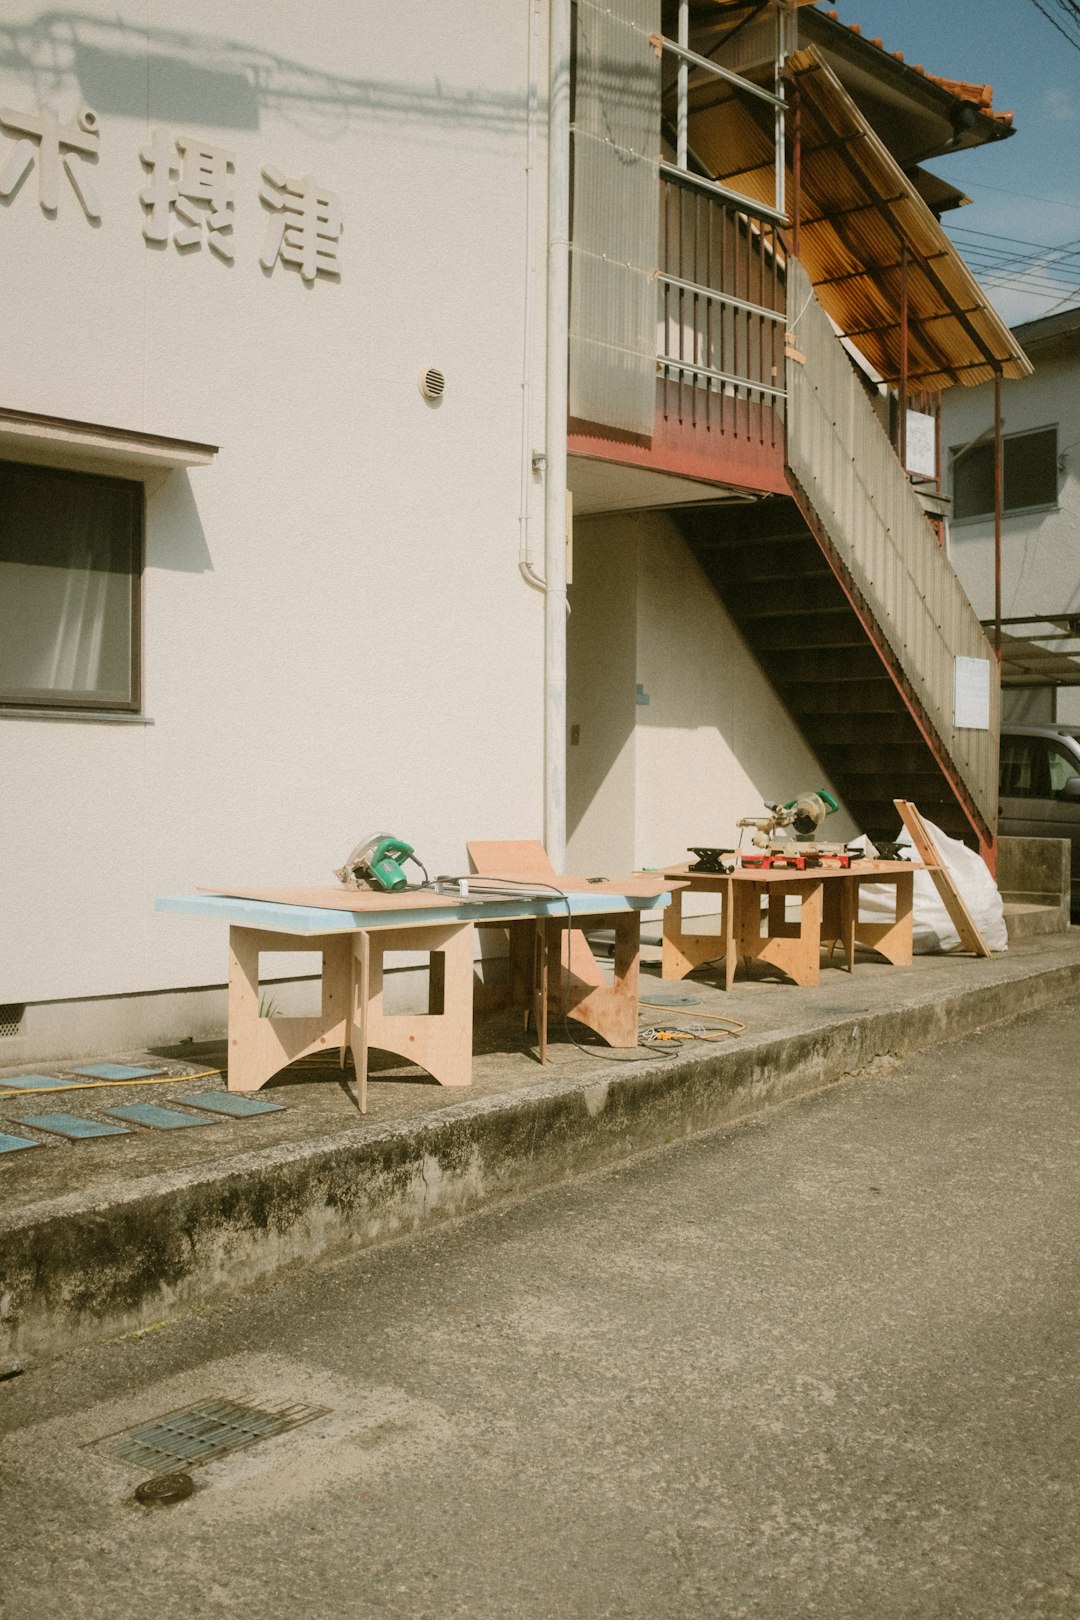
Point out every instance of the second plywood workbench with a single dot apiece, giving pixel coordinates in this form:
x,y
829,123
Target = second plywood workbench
x,y
755,926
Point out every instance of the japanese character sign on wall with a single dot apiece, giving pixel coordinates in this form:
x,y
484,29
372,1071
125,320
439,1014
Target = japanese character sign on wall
x,y
53,146
189,195
188,188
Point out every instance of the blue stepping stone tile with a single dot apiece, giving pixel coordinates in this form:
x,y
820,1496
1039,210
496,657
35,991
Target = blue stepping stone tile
x,y
115,1071
71,1125
161,1119
234,1103
34,1082
12,1144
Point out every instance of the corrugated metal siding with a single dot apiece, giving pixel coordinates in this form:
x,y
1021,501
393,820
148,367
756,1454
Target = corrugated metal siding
x,y
844,461
856,210
613,291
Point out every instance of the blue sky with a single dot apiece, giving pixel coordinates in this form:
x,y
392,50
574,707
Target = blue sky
x,y
1025,191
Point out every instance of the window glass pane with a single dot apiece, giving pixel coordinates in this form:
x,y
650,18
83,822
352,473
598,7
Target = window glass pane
x,y
1062,767
1018,767
973,481
70,547
1031,469
1029,474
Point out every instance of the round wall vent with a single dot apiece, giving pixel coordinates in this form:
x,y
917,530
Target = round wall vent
x,y
432,383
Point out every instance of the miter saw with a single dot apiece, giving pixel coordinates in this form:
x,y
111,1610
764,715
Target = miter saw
x,y
375,863
785,837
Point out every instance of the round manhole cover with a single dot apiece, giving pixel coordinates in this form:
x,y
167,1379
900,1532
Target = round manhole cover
x,y
164,1488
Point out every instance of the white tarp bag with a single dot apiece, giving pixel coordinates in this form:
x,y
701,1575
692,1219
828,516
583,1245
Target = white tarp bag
x,y
932,927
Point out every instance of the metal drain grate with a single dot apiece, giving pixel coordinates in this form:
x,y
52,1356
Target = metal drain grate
x,y
199,1434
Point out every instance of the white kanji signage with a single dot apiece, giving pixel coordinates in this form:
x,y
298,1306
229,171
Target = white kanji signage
x,y
189,188
55,147
188,197
304,226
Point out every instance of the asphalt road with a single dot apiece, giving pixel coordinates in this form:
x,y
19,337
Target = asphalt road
x,y
825,1364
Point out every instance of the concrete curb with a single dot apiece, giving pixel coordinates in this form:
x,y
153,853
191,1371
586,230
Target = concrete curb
x,y
76,1269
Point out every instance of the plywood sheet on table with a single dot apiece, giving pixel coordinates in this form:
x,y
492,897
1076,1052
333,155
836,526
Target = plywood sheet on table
x,y
331,897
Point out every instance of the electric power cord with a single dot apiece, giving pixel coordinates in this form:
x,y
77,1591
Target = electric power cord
x,y
653,1038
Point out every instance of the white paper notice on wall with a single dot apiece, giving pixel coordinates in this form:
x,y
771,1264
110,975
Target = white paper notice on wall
x,y
971,695
921,449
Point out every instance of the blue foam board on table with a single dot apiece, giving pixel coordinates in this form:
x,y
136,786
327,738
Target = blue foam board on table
x,y
12,1144
34,1082
161,1119
72,1125
115,1071
233,1103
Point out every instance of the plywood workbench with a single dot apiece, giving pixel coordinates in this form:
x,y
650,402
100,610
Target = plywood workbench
x,y
354,930
754,924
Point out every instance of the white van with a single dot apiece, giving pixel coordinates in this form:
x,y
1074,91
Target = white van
x,y
1039,788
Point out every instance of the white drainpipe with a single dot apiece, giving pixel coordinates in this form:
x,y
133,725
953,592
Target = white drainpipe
x,y
558,318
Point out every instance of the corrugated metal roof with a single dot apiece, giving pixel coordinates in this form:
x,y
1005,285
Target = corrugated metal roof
x,y
979,95
858,212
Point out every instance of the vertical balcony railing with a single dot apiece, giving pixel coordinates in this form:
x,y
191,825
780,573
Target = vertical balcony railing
x,y
721,315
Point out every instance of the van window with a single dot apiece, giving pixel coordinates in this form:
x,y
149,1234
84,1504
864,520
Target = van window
x,y
1035,768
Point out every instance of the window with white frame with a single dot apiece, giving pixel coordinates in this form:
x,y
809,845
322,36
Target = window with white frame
x,y
1029,464
71,549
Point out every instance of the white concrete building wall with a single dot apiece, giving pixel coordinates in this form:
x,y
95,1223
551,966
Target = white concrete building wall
x,y
337,638
712,742
1040,551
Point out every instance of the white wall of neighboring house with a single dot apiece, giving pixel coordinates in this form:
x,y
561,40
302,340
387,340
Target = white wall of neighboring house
x,y
680,733
337,638
1040,550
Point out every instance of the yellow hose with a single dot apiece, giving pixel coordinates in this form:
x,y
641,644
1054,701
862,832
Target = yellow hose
x,y
91,1085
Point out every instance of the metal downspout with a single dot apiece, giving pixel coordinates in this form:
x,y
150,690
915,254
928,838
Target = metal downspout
x,y
558,323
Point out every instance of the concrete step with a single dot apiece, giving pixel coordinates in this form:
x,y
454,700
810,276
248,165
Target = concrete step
x,y
1027,919
107,1237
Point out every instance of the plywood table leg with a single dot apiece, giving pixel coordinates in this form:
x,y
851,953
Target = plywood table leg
x,y
259,1047
905,910
849,917
359,1020
892,940
438,1041
540,986
802,961
795,950
612,1009
521,967
728,925
243,1066
684,951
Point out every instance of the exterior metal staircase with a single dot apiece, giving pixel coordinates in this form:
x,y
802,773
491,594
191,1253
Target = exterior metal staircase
x,y
773,578
851,607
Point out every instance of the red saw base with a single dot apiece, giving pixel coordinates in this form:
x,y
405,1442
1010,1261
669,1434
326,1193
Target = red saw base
x,y
796,863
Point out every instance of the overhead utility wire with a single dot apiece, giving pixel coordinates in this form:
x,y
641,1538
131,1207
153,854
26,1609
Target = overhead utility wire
x,y
1038,274
1054,268
1075,43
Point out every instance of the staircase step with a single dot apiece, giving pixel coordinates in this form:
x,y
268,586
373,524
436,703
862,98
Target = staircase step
x,y
883,761
775,599
802,668
744,560
775,581
876,697
793,632
854,724
762,522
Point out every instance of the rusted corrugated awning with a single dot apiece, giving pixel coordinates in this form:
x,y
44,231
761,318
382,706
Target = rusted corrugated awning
x,y
857,214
